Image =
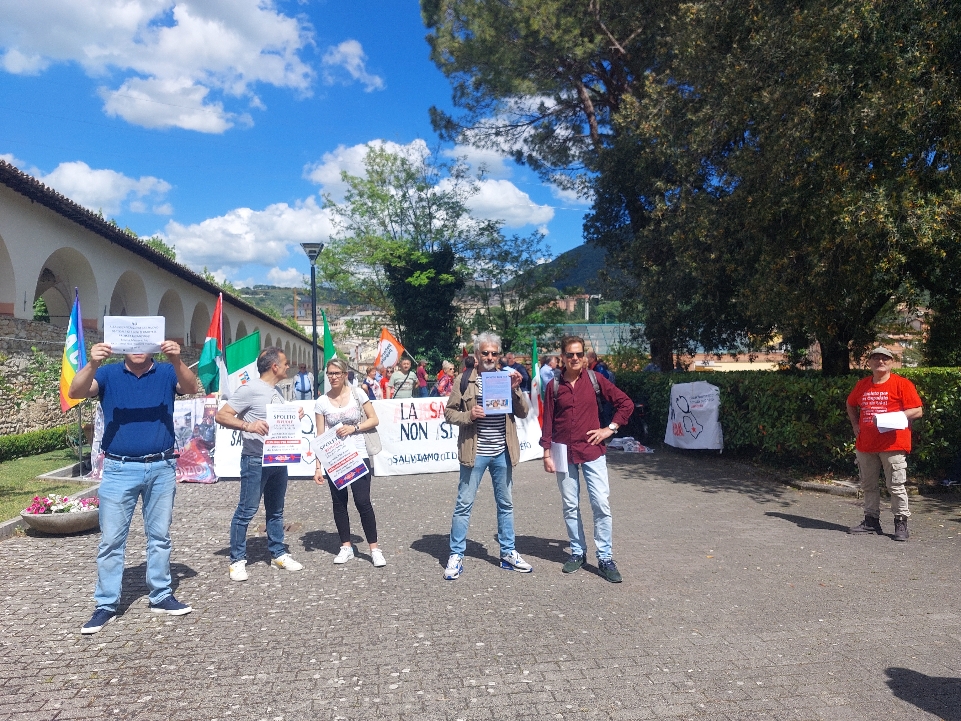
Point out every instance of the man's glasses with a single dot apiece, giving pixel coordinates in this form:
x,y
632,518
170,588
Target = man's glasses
x,y
489,353
572,356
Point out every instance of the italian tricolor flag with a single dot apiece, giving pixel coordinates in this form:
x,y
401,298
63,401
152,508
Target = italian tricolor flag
x,y
211,369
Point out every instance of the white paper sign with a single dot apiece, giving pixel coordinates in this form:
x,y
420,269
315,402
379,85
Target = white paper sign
x,y
693,419
282,442
559,456
497,393
133,333
894,421
415,438
340,460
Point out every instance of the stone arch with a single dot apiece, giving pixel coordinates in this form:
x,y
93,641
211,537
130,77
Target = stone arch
x,y
8,286
293,361
228,338
241,330
257,330
172,309
64,270
268,340
129,295
199,324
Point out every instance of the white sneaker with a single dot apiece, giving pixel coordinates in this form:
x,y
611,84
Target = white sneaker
x,y
455,567
238,570
378,558
286,563
346,554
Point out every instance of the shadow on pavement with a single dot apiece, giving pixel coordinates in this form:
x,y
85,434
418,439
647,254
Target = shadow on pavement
x,y
937,695
809,523
135,583
325,541
438,546
705,470
547,549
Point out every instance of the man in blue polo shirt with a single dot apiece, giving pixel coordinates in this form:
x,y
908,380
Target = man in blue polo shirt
x,y
137,398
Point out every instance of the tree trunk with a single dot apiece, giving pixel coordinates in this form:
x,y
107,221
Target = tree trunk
x,y
835,356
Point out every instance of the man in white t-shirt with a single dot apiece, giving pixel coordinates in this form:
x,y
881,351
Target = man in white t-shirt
x,y
247,412
304,383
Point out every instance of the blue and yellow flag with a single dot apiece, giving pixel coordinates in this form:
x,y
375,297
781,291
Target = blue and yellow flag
x,y
74,355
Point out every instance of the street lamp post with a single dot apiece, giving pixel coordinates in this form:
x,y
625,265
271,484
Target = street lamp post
x,y
313,252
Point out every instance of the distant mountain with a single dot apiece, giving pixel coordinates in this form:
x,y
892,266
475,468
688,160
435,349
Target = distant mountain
x,y
586,262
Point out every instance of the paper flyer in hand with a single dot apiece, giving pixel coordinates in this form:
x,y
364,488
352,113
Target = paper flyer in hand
x,y
134,334
339,458
497,393
282,442
895,421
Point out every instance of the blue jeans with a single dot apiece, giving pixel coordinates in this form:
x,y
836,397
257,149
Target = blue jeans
x,y
257,482
598,490
122,485
470,478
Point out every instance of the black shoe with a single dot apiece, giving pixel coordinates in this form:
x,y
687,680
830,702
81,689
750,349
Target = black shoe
x,y
609,569
901,528
870,524
575,562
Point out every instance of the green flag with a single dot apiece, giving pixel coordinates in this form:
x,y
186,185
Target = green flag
x,y
329,350
242,361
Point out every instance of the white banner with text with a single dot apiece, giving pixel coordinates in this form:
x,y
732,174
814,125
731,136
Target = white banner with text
x,y
414,435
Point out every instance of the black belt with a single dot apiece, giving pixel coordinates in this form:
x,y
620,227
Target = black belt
x,y
166,455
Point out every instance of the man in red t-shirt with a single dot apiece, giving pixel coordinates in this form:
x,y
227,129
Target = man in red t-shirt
x,y
883,447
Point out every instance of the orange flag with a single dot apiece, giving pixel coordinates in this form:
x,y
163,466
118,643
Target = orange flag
x,y
389,350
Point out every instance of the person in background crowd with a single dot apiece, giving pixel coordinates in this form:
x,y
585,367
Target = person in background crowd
x,y
445,381
341,406
573,420
385,381
422,378
651,367
469,362
371,386
525,376
246,411
548,371
137,398
883,392
485,443
597,365
403,382
303,383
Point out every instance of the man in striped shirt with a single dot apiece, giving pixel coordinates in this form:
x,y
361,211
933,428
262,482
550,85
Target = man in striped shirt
x,y
484,442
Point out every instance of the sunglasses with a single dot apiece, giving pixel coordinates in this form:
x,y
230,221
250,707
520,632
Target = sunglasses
x,y
571,356
489,353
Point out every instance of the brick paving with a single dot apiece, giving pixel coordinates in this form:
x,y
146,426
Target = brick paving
x,y
742,599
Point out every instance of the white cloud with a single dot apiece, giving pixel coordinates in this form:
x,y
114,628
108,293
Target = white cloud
x,y
103,189
12,159
244,236
290,278
172,54
349,57
491,161
326,172
502,200
570,197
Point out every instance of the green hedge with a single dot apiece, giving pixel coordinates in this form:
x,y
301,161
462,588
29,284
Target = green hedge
x,y
799,418
34,442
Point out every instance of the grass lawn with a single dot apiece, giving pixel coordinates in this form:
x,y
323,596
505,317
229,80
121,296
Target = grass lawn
x,y
19,484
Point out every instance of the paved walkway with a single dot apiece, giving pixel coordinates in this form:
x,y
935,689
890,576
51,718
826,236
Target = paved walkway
x,y
742,599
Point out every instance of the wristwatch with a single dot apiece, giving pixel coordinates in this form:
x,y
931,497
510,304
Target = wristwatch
x,y
614,427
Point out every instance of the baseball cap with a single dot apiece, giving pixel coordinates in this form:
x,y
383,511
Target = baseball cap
x,y
881,350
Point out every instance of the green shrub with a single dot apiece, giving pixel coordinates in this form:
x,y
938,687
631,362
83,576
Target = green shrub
x,y
34,442
798,418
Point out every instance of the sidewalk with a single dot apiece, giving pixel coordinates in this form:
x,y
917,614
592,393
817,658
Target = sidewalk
x,y
742,599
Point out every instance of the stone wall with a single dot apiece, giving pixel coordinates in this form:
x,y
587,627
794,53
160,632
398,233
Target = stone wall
x,y
24,404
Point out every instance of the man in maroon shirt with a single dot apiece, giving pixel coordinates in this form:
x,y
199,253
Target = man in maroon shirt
x,y
572,426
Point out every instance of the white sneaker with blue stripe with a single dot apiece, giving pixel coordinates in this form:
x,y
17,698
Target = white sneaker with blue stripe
x,y
455,567
513,562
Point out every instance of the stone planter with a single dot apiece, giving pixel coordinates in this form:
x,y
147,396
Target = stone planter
x,y
62,522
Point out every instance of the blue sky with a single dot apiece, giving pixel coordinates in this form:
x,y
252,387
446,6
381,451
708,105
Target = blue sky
x,y
217,123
